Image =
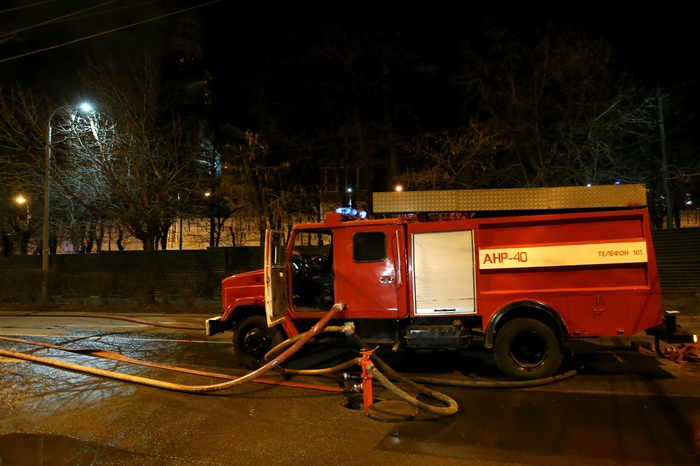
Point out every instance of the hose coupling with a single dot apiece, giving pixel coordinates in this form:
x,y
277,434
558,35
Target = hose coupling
x,y
348,328
339,306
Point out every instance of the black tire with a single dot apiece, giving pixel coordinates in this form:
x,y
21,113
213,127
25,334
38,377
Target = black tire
x,y
527,349
252,339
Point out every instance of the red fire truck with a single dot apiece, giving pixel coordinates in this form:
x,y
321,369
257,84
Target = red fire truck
x,y
524,270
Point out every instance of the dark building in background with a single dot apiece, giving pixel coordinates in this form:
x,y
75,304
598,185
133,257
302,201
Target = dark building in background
x,y
184,70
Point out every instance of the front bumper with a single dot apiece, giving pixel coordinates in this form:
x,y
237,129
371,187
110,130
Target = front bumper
x,y
669,332
216,325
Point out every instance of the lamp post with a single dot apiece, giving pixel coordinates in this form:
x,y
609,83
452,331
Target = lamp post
x,y
45,233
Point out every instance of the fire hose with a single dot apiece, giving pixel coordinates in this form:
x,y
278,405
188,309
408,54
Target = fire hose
x,y
338,307
121,358
103,316
292,345
379,368
348,329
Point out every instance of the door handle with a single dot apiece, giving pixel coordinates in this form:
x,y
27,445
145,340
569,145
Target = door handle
x,y
386,280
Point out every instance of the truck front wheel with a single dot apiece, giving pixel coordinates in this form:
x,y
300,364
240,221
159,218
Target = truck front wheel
x,y
527,349
252,339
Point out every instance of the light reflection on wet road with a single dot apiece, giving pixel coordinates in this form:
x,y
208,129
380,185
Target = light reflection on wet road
x,y
623,409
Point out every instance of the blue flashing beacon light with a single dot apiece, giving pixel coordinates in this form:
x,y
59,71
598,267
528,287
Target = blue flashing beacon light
x,y
352,212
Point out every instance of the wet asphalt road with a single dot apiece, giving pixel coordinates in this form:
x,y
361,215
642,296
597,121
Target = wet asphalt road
x,y
624,407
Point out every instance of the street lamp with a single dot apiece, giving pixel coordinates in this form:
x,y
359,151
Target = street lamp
x,y
212,224
45,234
23,200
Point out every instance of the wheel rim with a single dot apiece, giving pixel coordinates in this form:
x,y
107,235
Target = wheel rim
x,y
256,342
529,350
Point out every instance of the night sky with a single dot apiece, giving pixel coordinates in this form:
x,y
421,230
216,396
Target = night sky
x,y
43,44
653,43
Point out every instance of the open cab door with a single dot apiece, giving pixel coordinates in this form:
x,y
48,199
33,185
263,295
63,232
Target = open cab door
x,y
276,286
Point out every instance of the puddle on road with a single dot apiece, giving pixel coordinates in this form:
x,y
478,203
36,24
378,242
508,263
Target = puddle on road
x,y
57,450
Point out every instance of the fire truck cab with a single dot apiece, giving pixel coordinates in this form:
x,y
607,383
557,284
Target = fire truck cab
x,y
525,270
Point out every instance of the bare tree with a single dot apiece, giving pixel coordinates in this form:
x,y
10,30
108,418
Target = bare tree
x,y
571,116
459,159
22,142
678,165
257,188
128,161
25,121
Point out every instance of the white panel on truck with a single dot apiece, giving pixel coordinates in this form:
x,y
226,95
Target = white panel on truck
x,y
443,272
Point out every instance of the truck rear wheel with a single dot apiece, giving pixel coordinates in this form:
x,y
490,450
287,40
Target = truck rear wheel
x,y
527,349
252,339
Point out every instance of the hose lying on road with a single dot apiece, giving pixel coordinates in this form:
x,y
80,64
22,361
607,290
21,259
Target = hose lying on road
x,y
102,316
451,405
292,345
497,383
338,307
377,369
414,382
106,354
349,330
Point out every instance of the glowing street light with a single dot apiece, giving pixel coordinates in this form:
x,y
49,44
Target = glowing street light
x,y
45,234
23,200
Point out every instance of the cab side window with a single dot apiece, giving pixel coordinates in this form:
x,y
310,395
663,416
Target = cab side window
x,y
369,247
